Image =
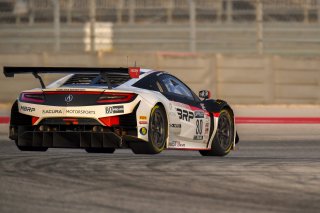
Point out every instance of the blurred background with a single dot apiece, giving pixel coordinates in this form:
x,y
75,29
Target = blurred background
x,y
244,51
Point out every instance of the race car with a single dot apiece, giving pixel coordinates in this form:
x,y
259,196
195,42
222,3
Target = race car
x,y
104,109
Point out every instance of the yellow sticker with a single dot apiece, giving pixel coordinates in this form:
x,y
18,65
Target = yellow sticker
x,y
143,131
143,117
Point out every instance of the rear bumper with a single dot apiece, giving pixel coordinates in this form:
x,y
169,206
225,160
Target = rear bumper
x,y
72,139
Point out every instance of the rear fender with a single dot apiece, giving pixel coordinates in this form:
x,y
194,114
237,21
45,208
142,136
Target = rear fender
x,y
17,119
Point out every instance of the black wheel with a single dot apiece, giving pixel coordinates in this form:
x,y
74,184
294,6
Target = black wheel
x,y
31,148
223,140
100,150
158,133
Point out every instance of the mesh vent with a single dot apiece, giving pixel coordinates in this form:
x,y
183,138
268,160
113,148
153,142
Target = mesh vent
x,y
81,79
115,79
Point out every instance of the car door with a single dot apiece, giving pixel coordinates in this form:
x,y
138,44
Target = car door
x,y
188,121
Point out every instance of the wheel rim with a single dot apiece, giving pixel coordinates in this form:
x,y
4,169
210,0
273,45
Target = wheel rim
x,y
157,129
224,131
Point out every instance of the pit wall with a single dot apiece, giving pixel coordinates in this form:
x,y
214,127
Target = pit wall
x,y
239,79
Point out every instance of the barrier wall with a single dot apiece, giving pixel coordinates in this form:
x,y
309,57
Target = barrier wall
x,y
240,79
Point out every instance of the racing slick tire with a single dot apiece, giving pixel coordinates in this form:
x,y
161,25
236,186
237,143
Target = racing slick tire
x,y
100,150
157,135
223,140
31,148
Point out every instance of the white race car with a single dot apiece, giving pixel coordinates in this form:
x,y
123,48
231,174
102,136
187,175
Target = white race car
x,y
103,109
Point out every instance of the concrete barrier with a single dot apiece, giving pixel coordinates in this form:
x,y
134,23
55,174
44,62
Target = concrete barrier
x,y
239,79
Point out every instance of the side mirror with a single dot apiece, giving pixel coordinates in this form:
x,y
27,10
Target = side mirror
x,y
205,94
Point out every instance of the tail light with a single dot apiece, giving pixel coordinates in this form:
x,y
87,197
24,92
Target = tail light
x,y
70,121
34,120
110,121
32,97
112,97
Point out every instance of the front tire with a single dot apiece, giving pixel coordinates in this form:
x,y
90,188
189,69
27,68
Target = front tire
x,y
223,140
157,135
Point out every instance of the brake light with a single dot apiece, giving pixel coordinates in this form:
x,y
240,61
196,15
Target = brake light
x,y
110,121
32,97
112,97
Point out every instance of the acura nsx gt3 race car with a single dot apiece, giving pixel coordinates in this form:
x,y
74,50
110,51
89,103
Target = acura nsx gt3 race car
x,y
103,109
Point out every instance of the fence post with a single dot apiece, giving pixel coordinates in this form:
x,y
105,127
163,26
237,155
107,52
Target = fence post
x,y
306,12
169,11
119,11
69,11
56,15
192,19
92,16
131,11
31,12
259,20
219,10
229,11
318,7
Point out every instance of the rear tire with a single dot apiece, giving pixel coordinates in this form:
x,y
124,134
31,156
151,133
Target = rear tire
x,y
100,150
157,135
223,140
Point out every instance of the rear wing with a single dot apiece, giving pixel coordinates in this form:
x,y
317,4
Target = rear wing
x,y
8,71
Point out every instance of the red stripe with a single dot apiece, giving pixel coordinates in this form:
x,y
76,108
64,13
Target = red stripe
x,y
4,120
72,92
278,120
249,120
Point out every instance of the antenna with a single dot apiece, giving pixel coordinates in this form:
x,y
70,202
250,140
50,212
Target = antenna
x,y
127,62
135,63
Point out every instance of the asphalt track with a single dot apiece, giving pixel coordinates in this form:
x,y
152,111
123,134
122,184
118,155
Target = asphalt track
x,y
266,174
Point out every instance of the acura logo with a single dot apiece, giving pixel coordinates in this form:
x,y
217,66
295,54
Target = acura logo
x,y
68,98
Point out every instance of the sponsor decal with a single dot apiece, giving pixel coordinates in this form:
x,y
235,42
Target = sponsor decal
x,y
134,72
198,137
202,106
199,126
176,144
70,89
68,98
206,129
27,109
175,125
114,109
143,131
52,111
143,117
68,111
185,114
143,122
76,111
219,102
199,114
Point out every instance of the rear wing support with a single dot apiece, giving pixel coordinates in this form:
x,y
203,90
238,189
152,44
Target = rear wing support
x,y
36,75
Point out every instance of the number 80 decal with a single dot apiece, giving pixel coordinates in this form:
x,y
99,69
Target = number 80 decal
x,y
199,124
